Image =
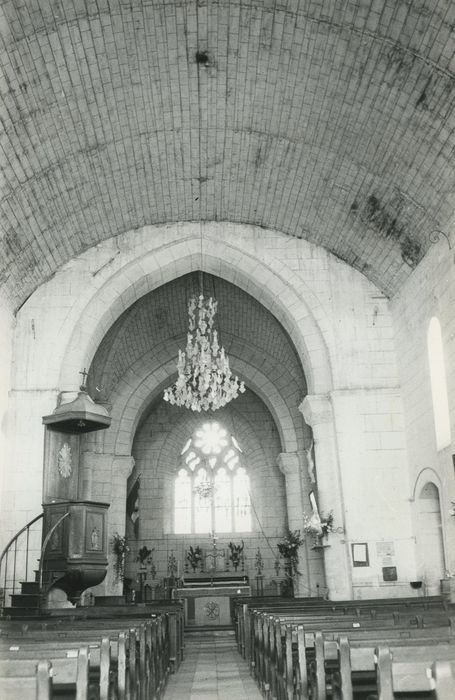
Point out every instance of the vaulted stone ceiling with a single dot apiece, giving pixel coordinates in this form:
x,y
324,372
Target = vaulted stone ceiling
x,y
326,120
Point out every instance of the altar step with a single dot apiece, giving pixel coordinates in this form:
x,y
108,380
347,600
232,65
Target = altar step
x,y
204,629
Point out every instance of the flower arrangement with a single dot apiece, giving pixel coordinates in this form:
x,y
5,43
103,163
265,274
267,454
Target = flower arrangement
x,y
236,553
120,549
289,545
289,548
194,557
318,525
144,555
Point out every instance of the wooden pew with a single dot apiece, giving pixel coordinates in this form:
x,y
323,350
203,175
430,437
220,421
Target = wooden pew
x,y
277,642
380,671
435,677
172,635
113,618
28,679
269,631
370,608
105,657
139,659
134,667
443,680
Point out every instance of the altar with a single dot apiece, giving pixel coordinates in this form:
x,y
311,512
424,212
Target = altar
x,y
210,604
208,593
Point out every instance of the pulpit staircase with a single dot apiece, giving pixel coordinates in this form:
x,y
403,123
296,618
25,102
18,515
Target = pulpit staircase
x,y
71,551
20,598
25,598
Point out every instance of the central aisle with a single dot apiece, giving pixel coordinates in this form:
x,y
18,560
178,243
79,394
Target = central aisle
x,y
212,668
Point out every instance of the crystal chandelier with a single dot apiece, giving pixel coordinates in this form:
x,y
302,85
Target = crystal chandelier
x,y
204,380
205,489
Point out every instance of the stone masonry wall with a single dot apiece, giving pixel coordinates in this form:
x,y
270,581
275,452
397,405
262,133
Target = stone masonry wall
x,y
339,324
429,292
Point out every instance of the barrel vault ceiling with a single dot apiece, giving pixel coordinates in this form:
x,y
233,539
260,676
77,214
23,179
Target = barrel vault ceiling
x,y
325,120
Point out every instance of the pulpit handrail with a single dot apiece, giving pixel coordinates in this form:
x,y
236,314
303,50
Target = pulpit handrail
x,y
17,535
13,540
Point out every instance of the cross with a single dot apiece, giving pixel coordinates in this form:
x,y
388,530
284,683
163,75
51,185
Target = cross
x,y
84,375
214,555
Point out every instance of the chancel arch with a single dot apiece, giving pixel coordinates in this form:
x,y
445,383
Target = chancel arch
x,y
136,361
137,357
295,306
140,387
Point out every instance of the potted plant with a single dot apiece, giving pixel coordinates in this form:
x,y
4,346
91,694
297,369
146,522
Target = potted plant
x,y
120,549
194,557
289,550
236,553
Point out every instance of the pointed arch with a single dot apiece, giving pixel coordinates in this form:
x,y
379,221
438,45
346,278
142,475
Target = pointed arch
x,y
267,280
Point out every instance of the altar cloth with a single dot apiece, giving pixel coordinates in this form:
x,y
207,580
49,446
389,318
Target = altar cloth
x,y
209,605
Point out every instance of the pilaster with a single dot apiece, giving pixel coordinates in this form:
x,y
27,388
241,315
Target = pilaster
x,y
289,465
110,474
317,412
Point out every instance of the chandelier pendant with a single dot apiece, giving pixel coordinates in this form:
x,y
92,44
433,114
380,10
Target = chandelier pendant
x,y
205,490
204,380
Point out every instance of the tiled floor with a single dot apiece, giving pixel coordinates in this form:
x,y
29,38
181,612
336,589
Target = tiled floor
x,y
212,670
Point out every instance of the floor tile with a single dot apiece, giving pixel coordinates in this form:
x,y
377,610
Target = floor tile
x,y
212,670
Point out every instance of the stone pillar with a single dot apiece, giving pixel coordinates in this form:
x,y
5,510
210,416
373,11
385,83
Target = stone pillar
x,y
317,412
289,465
109,483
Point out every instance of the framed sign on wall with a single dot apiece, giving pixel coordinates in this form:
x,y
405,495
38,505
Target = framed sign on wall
x,y
359,552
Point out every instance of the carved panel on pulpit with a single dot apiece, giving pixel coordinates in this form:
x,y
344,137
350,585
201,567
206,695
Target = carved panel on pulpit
x,y
61,466
94,531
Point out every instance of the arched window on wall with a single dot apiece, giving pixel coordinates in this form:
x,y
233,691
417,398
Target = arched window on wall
x,y
438,384
212,484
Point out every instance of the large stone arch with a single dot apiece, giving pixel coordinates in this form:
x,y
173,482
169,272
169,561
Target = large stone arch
x,y
138,389
269,281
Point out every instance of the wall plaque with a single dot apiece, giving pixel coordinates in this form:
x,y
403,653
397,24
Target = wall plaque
x,y
389,573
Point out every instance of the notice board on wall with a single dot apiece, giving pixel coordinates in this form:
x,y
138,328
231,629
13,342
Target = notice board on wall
x,y
360,554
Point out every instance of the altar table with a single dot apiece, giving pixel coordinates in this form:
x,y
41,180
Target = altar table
x,y
209,605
